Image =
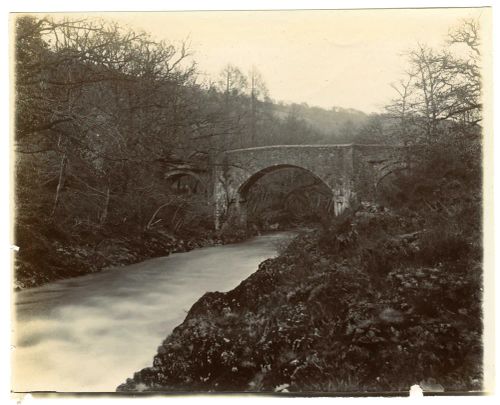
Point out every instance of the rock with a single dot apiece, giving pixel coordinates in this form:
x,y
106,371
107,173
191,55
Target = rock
x,y
391,315
430,385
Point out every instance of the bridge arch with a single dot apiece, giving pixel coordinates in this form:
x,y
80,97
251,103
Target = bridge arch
x,y
241,198
178,174
350,171
255,177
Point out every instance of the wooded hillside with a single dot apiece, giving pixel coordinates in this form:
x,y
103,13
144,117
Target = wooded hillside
x,y
102,114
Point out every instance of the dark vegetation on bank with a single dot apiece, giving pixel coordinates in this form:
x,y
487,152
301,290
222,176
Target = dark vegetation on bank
x,y
52,253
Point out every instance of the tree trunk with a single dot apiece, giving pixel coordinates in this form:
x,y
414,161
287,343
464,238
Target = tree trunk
x,y
60,184
153,217
104,214
253,100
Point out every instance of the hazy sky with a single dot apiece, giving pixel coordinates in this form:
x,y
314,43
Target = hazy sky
x,y
325,58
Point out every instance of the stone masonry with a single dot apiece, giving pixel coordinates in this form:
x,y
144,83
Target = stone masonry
x,y
352,172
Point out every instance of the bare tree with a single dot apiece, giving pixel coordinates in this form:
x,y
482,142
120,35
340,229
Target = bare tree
x,y
91,97
232,81
258,89
442,88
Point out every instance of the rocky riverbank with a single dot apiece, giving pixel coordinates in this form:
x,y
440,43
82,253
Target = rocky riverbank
x,y
375,302
48,253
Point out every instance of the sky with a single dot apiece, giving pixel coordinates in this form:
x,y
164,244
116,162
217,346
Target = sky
x,y
326,58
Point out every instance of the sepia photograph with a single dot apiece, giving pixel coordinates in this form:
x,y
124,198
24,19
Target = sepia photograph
x,y
277,201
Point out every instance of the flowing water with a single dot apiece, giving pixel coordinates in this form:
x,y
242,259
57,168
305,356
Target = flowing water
x,y
90,333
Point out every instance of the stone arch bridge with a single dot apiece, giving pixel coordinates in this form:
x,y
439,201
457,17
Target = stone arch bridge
x,y
352,173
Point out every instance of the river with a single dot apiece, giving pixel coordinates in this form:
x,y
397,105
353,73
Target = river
x,y
89,333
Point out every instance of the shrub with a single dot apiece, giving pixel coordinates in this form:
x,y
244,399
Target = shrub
x,y
438,245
